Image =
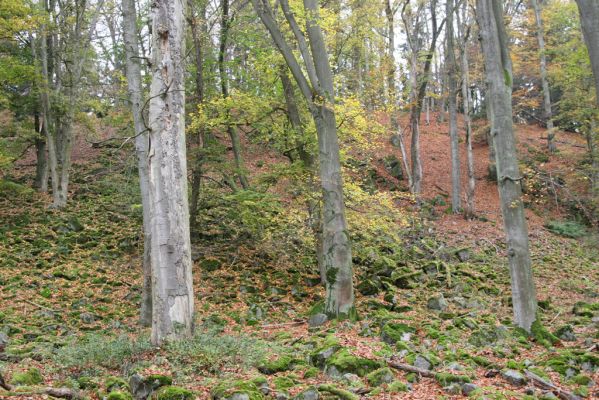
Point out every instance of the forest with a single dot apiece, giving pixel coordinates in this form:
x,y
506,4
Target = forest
x,y
299,199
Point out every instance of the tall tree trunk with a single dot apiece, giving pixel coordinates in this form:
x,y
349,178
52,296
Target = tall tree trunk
x,y
336,242
172,284
224,84
420,84
498,70
313,205
318,85
133,71
453,111
464,32
544,82
45,112
197,34
589,22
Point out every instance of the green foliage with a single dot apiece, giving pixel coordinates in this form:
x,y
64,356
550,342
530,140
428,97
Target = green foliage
x,y
93,350
31,377
208,350
173,393
226,389
118,395
570,229
345,362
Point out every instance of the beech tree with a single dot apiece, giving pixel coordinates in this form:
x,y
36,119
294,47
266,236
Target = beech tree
x,y
498,73
452,87
316,85
172,301
544,81
135,88
589,22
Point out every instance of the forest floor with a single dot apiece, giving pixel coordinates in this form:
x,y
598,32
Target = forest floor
x,y
437,298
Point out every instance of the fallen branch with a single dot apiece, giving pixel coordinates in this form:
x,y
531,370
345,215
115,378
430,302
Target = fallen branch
x,y
410,368
283,325
4,385
39,305
547,385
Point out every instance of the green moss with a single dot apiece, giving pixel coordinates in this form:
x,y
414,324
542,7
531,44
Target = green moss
x,y
392,332
582,309
311,372
173,393
445,379
412,377
32,377
283,382
581,380
259,381
283,363
345,362
397,386
227,389
340,393
160,380
542,335
582,391
380,376
118,395
115,382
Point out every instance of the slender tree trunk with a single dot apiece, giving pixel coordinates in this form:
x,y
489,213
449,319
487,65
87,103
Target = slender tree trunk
x,y
196,32
133,71
313,205
172,284
589,21
452,89
45,113
318,85
336,242
464,32
41,165
498,69
224,83
544,82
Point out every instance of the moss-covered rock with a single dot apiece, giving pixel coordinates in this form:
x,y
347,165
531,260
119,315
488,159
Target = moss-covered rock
x,y
380,376
31,377
397,387
340,393
283,382
542,335
583,309
115,382
345,362
227,389
119,395
173,393
445,379
311,372
280,364
392,332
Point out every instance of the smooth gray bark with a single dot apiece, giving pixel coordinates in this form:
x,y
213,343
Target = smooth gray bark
x,y
134,86
498,72
452,88
548,114
78,44
198,33
224,84
464,32
589,22
317,89
45,112
173,301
